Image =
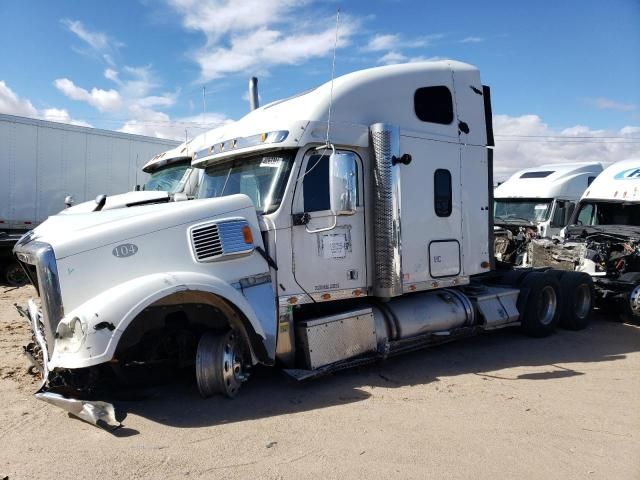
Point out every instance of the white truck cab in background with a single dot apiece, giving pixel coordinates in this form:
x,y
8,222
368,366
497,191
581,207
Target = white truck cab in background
x,y
171,178
309,254
537,202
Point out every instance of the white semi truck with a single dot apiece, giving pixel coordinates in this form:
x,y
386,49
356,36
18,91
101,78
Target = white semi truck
x,y
42,163
603,240
317,248
537,202
170,178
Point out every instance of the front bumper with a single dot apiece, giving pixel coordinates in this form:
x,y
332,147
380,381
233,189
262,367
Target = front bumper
x,y
101,414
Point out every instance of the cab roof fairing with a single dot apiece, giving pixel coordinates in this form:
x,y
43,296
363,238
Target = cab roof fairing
x,y
360,99
567,181
183,152
619,182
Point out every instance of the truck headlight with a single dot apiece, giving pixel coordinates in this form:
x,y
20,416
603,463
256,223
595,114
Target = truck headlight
x,y
70,335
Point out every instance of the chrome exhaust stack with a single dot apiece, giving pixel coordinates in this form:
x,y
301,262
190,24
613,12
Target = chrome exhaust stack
x,y
254,101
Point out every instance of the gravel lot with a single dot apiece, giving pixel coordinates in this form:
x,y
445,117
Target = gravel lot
x,y
496,406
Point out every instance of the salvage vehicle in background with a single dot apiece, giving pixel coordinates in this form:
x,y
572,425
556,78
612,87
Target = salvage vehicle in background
x,y
536,202
47,164
603,240
341,226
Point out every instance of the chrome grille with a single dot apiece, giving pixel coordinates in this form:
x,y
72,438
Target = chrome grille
x,y
219,239
206,242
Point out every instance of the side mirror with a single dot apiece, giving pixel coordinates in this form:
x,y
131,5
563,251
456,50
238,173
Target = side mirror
x,y
180,197
343,183
68,201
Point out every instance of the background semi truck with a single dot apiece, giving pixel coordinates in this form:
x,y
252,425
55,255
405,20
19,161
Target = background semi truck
x,y
43,163
170,177
537,203
603,240
321,245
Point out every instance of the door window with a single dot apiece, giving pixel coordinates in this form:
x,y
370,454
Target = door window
x,y
316,184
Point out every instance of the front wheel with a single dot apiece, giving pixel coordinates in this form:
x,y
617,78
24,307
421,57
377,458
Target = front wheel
x,y
220,364
14,275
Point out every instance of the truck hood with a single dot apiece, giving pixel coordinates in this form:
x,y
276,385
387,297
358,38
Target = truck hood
x,y
128,199
72,234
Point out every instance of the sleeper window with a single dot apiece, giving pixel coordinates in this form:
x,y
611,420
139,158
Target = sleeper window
x,y
434,104
442,192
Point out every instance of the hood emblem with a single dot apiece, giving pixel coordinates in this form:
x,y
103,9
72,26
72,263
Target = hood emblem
x,y
125,250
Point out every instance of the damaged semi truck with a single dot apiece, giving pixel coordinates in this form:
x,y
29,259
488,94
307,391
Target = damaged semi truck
x,y
536,203
603,240
340,226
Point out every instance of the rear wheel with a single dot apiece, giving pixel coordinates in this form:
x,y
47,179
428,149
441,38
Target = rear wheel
x,y
538,304
577,294
220,364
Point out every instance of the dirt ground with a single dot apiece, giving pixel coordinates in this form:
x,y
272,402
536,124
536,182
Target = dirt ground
x,y
496,406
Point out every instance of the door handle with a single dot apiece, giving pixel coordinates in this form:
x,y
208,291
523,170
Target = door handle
x,y
404,159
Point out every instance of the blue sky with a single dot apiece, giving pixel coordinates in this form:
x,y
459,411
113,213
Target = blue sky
x,y
556,68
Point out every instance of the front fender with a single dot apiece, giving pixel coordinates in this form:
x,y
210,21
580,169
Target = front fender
x,y
104,318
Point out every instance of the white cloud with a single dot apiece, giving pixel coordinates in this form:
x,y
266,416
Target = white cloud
x,y
96,40
390,42
62,116
608,104
111,74
12,104
394,57
382,42
159,124
103,100
472,40
527,141
255,35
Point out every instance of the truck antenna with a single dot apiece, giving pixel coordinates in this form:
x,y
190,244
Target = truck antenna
x,y
333,73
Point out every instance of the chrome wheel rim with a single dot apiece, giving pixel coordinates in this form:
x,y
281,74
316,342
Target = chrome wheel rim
x,y
582,301
547,305
232,365
634,301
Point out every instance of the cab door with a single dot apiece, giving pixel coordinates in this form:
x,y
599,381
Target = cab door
x,y
329,252
431,234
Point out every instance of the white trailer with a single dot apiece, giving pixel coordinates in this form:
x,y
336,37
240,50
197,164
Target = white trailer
x,y
309,254
537,202
43,163
603,240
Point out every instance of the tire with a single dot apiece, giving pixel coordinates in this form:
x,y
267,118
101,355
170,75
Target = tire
x,y
577,299
628,313
538,304
514,277
13,274
220,364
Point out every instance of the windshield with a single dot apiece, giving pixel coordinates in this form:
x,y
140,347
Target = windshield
x,y
263,178
169,179
527,210
608,213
